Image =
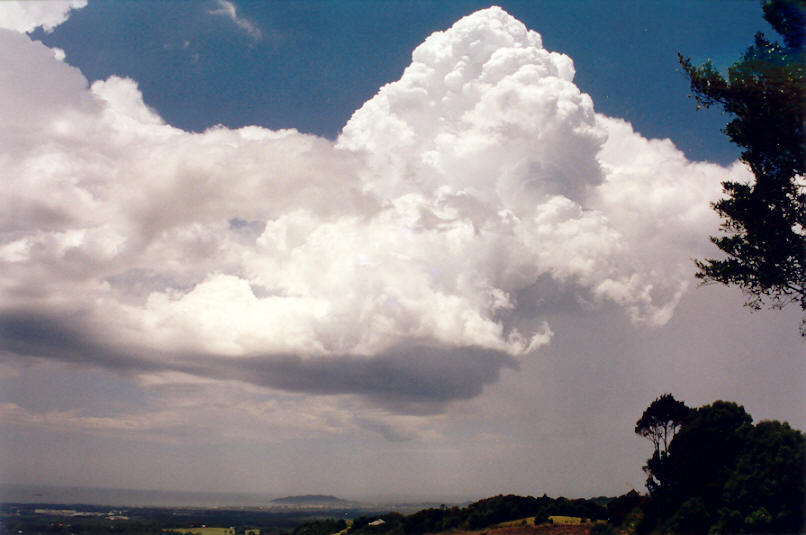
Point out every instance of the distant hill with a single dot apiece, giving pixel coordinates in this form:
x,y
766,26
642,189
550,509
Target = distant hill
x,y
310,499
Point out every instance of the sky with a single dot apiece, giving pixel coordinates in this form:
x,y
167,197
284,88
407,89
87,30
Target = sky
x,y
426,250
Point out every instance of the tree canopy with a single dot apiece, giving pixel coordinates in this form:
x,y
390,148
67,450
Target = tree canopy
x,y
723,474
661,419
659,423
763,221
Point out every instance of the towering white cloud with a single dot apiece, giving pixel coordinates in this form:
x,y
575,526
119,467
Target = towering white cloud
x,y
400,251
489,123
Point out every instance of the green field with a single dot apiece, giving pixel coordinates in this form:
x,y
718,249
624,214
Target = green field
x,y
565,519
528,521
214,531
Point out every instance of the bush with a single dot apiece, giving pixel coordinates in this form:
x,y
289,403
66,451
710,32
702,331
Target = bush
x,y
692,517
601,528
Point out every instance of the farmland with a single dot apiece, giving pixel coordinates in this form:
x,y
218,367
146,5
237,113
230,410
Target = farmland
x,y
92,519
214,531
514,528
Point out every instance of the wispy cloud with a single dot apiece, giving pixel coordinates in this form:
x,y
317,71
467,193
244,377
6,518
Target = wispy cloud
x,y
229,10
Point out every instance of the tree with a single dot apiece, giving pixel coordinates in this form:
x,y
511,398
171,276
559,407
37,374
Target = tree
x,y
704,452
661,420
763,222
619,509
766,488
723,474
325,526
659,423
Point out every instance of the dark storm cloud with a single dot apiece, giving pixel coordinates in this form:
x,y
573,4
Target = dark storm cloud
x,y
38,335
405,379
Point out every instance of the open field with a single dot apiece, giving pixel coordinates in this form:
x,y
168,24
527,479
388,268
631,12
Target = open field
x,y
214,531
542,529
556,520
565,519
529,521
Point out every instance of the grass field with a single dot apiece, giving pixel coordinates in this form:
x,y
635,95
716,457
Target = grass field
x,y
215,531
529,521
565,519
542,529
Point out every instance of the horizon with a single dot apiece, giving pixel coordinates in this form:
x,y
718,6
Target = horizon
x,y
364,250
140,497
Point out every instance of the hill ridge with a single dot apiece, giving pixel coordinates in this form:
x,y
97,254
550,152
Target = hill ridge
x,y
310,498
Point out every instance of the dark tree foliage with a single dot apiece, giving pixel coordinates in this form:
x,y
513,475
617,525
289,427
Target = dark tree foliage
x,y
326,526
659,423
762,222
766,491
723,474
478,515
661,420
703,454
434,520
620,508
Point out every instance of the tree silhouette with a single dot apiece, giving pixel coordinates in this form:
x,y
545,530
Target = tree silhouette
x,y
723,474
661,420
659,423
763,222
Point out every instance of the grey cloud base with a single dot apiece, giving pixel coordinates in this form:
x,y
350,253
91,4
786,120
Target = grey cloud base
x,y
411,379
25,334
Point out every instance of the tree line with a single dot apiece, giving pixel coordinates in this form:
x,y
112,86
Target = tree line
x,y
477,515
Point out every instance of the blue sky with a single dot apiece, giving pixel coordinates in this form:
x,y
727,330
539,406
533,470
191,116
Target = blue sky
x,y
314,63
365,248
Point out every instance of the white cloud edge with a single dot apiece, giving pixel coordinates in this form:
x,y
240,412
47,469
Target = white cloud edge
x,y
26,16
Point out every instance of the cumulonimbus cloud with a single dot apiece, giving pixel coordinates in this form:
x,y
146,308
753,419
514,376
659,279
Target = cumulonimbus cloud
x,y
369,265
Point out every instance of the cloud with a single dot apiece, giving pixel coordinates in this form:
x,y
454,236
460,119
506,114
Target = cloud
x,y
179,406
72,420
227,9
410,379
399,264
24,16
